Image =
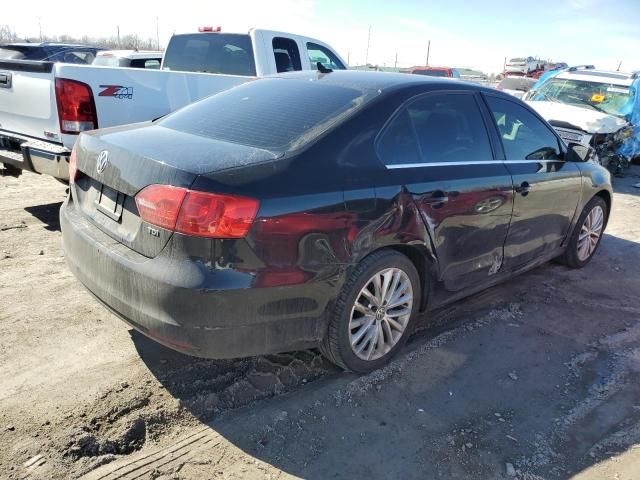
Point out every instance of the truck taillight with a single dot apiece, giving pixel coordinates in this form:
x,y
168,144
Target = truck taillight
x,y
76,107
73,165
200,214
209,29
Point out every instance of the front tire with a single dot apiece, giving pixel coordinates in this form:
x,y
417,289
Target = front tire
x,y
587,234
374,312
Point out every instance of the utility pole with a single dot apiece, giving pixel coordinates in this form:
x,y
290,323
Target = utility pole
x,y
619,65
40,27
157,33
428,50
366,57
395,65
118,27
348,58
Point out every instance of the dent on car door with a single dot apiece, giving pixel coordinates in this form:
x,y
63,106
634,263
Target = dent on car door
x,y
438,150
547,187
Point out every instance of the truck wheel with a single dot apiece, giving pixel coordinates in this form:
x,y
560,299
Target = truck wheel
x,y
374,312
587,234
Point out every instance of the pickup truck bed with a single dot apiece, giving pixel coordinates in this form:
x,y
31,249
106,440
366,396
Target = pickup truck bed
x,y
30,131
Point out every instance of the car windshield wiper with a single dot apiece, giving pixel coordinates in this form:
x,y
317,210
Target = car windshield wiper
x,y
584,102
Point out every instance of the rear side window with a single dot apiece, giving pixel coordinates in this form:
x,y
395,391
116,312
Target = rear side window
x,y
226,53
78,57
318,53
151,63
274,114
287,55
524,136
443,128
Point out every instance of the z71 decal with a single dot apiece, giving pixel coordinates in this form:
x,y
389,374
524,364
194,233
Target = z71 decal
x,y
117,91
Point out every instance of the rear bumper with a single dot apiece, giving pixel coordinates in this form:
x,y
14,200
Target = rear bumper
x,y
189,305
34,155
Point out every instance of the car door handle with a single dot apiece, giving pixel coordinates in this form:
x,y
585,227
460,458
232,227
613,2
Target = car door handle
x,y
523,189
437,197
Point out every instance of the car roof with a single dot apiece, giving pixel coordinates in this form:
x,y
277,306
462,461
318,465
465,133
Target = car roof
x,y
432,68
369,82
591,75
44,44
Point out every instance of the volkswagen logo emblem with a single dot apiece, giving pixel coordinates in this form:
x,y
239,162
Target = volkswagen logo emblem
x,y
102,161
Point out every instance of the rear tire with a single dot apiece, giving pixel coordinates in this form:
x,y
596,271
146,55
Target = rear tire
x,y
587,234
374,312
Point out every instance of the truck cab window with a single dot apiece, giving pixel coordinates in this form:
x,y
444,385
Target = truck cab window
x,y
225,53
318,53
287,55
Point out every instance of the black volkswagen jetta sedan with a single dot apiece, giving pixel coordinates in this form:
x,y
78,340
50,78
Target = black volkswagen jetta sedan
x,y
323,210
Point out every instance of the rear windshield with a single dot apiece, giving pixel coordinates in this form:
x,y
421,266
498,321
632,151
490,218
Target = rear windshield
x,y
17,53
109,61
432,73
226,53
272,114
517,83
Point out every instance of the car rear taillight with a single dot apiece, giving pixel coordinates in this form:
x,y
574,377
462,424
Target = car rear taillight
x,y
160,205
76,107
196,213
73,165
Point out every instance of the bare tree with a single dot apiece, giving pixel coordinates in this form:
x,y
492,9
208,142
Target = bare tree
x,y
7,34
132,41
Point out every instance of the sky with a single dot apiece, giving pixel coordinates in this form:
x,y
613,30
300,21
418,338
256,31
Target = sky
x,y
471,33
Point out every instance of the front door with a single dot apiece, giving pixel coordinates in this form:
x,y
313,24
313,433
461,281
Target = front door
x,y
547,187
438,148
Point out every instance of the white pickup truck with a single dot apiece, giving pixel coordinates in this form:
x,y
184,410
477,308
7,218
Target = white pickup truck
x,y
44,106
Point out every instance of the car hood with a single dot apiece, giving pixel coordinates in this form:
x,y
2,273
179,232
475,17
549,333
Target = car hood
x,y
591,121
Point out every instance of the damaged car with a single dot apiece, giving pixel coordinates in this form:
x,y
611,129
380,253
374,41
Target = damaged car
x,y
593,107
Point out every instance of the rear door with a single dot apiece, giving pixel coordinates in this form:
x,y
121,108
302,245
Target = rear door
x,y
438,147
547,187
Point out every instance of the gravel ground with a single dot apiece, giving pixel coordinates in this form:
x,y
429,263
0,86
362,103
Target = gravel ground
x,y
533,379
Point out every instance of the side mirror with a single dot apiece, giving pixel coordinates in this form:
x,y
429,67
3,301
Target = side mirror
x,y
578,152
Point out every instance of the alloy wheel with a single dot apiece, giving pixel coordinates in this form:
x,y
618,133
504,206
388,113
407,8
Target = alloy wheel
x,y
380,314
590,233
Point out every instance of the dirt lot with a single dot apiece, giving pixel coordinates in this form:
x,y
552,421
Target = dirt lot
x,y
534,379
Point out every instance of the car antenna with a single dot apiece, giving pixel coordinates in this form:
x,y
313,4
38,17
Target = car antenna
x,y
322,68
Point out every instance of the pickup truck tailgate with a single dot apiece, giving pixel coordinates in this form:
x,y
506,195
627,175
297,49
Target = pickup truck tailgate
x,y
27,99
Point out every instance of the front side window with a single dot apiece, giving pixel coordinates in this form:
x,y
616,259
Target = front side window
x,y
443,128
524,136
318,53
287,55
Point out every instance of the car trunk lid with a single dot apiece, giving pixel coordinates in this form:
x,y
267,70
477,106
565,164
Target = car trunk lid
x,y
115,164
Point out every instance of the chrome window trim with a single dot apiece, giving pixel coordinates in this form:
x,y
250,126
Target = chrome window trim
x,y
450,164
478,162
